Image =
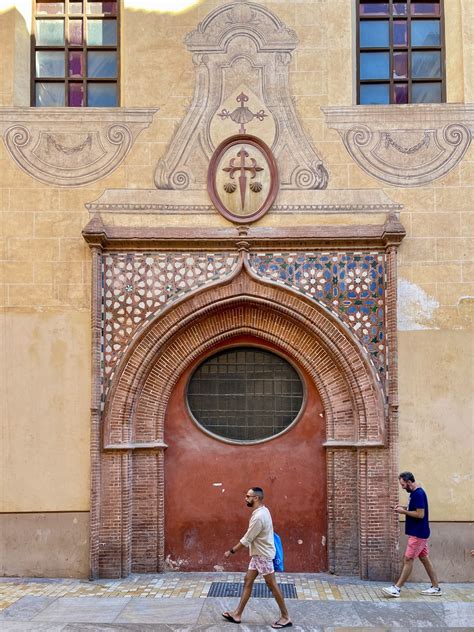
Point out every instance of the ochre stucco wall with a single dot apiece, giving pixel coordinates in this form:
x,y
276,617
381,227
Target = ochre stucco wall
x,y
45,269
46,401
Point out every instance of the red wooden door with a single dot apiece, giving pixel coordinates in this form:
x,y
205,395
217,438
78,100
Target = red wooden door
x,y
206,480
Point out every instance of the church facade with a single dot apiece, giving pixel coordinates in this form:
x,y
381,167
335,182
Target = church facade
x,y
237,250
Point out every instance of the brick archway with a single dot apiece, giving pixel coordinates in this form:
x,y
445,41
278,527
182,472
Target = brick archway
x,y
128,531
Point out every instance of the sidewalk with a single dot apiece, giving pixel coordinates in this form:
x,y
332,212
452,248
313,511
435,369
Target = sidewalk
x,y
179,601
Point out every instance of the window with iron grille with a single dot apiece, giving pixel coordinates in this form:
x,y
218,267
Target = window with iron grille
x,y
245,394
400,52
75,53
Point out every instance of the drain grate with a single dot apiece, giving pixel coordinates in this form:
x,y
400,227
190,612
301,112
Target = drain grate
x,y
260,590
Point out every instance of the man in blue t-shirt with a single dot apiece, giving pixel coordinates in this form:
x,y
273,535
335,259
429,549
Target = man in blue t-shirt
x,y
417,528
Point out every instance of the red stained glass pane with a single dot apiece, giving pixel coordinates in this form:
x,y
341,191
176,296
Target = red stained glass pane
x,y
76,64
400,93
400,65
425,8
76,95
400,33
75,32
374,8
49,8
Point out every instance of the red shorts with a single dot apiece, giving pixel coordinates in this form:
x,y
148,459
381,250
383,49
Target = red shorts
x,y
416,547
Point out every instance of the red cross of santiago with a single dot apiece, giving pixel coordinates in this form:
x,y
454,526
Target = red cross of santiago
x,y
243,168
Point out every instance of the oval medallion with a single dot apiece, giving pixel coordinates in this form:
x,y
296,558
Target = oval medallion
x,y
243,178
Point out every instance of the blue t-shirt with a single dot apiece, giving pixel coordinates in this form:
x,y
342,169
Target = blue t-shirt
x,y
416,526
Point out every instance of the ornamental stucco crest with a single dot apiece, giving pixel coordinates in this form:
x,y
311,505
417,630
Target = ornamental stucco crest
x,y
243,178
65,148
405,145
241,53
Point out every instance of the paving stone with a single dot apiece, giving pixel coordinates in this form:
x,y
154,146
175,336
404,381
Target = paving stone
x,y
312,587
257,612
126,627
454,615
314,613
178,602
145,610
25,608
398,614
83,610
30,626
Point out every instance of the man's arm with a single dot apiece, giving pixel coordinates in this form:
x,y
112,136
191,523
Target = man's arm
x,y
416,513
254,529
234,549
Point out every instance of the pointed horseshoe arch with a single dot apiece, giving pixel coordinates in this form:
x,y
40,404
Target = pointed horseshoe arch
x,y
129,528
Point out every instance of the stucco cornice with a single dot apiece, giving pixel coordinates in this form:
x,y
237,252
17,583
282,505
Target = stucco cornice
x,y
405,145
96,233
71,147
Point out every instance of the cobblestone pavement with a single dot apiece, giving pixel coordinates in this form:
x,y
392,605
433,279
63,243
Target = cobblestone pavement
x,y
179,601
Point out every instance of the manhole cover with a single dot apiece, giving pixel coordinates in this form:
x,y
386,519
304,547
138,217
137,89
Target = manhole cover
x,y
260,590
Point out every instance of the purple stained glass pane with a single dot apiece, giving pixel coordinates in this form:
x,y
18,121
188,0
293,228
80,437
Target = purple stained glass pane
x,y
400,93
374,8
76,64
400,65
76,95
425,8
400,33
400,8
75,32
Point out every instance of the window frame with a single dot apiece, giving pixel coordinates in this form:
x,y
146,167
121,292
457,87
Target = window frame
x,y
236,346
84,47
409,49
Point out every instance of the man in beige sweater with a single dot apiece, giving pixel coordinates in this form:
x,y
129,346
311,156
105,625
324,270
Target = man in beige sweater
x,y
259,540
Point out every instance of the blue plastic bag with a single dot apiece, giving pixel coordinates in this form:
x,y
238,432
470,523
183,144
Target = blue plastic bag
x,y
278,563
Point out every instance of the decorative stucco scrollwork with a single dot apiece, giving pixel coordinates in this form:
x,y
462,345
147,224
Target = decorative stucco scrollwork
x,y
66,148
20,136
242,54
316,178
405,146
180,180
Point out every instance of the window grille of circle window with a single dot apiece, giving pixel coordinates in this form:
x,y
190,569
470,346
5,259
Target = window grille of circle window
x,y
245,394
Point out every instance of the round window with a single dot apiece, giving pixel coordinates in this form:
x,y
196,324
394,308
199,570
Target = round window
x,y
245,394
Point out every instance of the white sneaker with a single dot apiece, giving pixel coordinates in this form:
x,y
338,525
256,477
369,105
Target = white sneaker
x,y
432,591
391,591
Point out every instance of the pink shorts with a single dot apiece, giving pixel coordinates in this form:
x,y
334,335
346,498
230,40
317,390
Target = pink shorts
x,y
416,547
261,564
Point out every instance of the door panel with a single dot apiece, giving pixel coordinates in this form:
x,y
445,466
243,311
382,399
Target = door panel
x,y
206,480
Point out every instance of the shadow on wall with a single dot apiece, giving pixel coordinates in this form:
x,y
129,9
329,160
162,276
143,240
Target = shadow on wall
x,y
160,57
15,58
450,552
